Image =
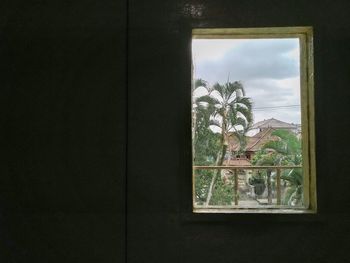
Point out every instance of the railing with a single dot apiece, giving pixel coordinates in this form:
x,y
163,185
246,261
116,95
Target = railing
x,y
234,170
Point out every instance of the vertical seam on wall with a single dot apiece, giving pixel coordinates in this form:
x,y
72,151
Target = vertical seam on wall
x,y
126,128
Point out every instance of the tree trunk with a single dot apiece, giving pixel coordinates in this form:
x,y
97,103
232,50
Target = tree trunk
x,y
269,187
219,162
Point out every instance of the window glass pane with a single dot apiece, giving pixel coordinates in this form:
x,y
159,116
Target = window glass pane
x,y
250,148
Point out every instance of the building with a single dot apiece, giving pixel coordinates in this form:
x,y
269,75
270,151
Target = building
x,y
260,134
275,124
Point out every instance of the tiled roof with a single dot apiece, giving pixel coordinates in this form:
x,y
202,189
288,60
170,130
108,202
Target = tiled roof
x,y
258,140
255,142
273,123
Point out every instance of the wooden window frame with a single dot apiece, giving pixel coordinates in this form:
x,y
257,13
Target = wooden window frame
x,y
305,35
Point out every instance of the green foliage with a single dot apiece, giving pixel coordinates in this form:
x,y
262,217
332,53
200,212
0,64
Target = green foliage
x,y
258,181
206,142
257,178
223,194
202,182
288,146
284,151
294,192
226,107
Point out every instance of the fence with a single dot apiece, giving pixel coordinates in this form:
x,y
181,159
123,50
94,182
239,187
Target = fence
x,y
235,170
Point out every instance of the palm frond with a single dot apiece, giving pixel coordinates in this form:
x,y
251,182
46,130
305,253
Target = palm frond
x,y
267,159
208,99
244,102
247,113
220,89
294,176
200,83
277,146
234,88
214,122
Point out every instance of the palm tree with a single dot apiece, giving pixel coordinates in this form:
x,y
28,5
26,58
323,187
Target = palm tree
x,y
204,140
230,114
294,193
286,150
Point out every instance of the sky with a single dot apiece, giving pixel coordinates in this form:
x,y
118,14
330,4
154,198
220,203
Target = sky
x,y
267,68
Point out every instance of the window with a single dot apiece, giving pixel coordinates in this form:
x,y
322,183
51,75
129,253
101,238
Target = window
x,y
253,120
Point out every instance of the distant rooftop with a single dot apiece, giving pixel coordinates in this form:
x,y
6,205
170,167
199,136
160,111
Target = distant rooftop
x,y
255,142
266,128
273,123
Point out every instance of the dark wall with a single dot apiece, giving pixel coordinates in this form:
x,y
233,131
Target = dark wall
x,y
64,86
161,227
63,114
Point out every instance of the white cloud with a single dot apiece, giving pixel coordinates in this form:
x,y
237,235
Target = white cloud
x,y
202,49
268,69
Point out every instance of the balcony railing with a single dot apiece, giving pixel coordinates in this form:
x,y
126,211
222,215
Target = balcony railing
x,y
235,172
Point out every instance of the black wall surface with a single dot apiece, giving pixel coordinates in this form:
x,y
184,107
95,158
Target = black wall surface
x,y
95,134
63,115
160,225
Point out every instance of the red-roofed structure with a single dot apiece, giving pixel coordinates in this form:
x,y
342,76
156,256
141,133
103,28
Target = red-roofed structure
x,y
255,142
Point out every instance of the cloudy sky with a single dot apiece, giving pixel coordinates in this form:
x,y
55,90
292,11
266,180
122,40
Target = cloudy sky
x,y
267,68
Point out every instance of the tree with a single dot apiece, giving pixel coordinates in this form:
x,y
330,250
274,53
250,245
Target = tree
x,y
286,150
230,113
294,193
206,143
